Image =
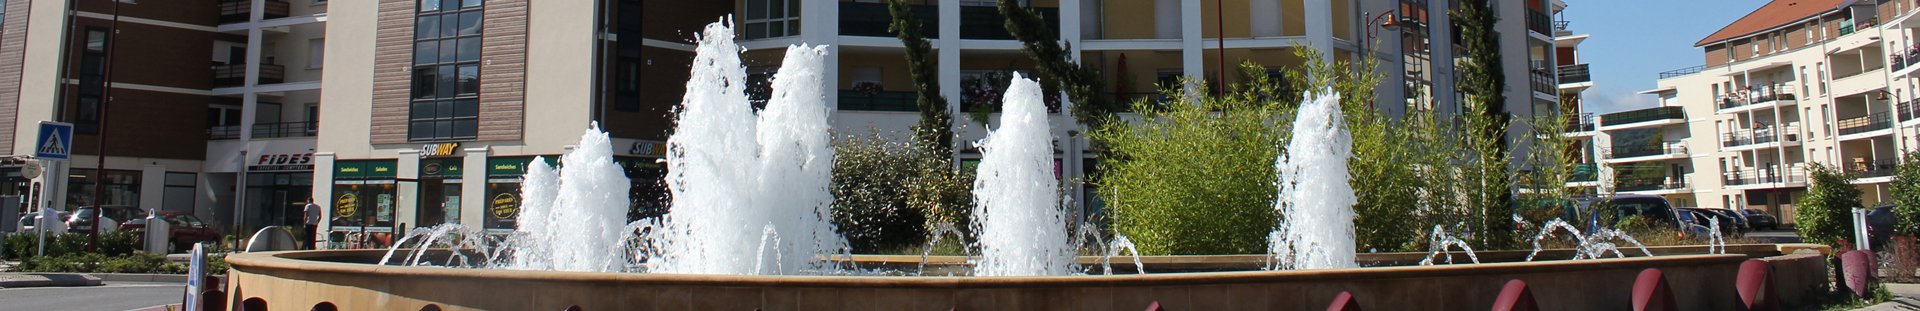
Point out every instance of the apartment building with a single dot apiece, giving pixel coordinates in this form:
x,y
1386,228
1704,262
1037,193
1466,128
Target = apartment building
x,y
1791,84
1582,130
194,86
1139,46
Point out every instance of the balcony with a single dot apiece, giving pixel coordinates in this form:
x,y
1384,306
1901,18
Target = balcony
x,y
1544,82
1907,111
1768,176
851,100
1560,29
1903,59
1682,72
236,74
1761,135
1539,22
1671,148
873,19
1769,95
1872,122
1652,185
1876,168
239,11
1585,172
1153,99
267,130
1577,73
1582,123
1644,115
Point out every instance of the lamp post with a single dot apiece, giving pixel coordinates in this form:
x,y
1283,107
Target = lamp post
x,y
1389,24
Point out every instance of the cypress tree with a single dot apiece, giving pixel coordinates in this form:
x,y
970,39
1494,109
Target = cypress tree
x,y
1483,81
935,129
1082,85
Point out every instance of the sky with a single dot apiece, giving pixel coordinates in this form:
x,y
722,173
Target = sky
x,y
1634,40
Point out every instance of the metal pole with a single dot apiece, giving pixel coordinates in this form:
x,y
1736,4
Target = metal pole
x,y
100,140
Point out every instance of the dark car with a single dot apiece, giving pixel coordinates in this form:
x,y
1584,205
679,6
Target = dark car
x,y
82,219
1651,208
1730,222
1759,220
185,230
1879,225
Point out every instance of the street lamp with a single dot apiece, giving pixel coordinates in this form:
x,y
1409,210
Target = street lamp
x,y
1388,24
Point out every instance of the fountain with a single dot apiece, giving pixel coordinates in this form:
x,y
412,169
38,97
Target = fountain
x,y
748,230
1021,227
1315,201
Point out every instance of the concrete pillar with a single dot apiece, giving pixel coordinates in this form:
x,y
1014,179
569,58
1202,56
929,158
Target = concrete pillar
x,y
948,46
1319,14
1444,97
250,102
153,187
406,195
323,187
1072,164
821,26
1192,50
473,188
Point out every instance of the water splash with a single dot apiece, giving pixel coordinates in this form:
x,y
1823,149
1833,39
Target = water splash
x,y
1315,201
1121,243
942,230
733,174
1440,241
1021,226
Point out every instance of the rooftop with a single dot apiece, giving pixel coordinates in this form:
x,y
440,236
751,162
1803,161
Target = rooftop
x,y
1774,14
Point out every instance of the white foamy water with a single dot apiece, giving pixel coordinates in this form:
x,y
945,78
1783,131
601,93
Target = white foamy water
x,y
1022,230
1315,202
749,192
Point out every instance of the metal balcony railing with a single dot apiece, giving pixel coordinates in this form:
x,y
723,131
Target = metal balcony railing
x,y
1560,28
1755,176
1576,73
1756,97
1875,168
1682,71
873,19
1126,99
1539,22
1544,81
1664,148
1586,172
1871,122
1643,115
236,74
1581,123
879,101
1651,184
238,11
267,130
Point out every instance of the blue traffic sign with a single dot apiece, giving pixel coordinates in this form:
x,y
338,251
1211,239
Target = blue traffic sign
x,y
56,141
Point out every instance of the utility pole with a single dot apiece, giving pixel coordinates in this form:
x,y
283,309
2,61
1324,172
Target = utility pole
x,y
100,139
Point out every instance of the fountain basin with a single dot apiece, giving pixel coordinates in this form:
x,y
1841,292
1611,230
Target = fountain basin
x,y
299,280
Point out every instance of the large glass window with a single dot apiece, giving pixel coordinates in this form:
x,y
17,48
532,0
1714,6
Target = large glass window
x,y
122,188
772,18
446,71
93,72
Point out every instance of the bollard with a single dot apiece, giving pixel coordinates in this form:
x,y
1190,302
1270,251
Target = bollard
x,y
1651,293
1515,296
1754,287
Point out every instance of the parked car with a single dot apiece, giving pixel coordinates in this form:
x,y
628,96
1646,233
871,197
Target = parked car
x,y
185,230
1759,219
1730,223
1650,208
82,219
1879,225
27,224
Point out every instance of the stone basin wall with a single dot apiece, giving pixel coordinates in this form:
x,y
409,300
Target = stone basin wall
x,y
302,280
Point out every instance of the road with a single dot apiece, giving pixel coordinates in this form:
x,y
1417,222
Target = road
x,y
115,296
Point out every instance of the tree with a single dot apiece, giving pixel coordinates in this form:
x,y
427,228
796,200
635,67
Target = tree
x,y
1823,216
1906,196
935,129
1091,106
1483,81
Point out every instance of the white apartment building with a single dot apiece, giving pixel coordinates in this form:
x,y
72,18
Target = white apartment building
x,y
1791,84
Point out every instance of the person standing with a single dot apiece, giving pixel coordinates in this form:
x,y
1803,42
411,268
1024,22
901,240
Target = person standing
x,y
313,218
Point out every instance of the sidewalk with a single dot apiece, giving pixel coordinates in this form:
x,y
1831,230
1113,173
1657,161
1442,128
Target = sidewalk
x,y
14,280
1905,297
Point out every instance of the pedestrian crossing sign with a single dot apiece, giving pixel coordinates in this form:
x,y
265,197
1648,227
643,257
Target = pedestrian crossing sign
x,y
56,141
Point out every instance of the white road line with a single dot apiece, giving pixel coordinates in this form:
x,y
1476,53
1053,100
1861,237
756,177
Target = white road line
x,y
152,307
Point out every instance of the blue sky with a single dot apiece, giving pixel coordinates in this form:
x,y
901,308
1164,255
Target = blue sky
x,y
1634,40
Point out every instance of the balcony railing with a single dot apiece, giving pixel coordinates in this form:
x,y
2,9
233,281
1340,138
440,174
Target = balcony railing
x,y
239,11
1872,122
1587,172
1643,115
267,130
985,22
1755,136
1753,176
873,19
236,74
1539,22
1560,28
1544,82
1903,59
1154,99
1754,97
1682,71
1907,111
1651,184
1576,73
1581,123
1665,148
879,101
1877,168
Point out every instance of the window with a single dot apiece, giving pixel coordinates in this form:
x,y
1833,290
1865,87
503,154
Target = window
x,y
122,187
446,71
772,18
1821,69
316,53
1811,26
93,83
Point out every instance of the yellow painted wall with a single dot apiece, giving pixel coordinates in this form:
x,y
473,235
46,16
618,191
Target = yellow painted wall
x,y
893,69
1239,24
1343,20
1128,19
1144,67
1295,23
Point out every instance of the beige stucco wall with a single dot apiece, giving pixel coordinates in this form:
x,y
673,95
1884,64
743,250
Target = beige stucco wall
x,y
37,84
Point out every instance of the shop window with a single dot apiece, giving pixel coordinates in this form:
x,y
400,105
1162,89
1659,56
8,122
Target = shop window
x,y
121,188
772,18
179,191
446,71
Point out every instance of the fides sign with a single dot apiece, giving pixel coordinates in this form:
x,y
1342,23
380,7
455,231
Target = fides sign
x,y
283,162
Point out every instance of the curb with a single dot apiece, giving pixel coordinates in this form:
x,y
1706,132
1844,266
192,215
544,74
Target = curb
x,y
141,277
47,280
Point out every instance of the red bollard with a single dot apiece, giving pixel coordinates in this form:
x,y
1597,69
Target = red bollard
x,y
1515,297
1650,292
1754,287
1857,267
1344,302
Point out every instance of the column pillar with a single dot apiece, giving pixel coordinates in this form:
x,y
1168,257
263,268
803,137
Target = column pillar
x,y
1319,15
1192,52
948,55
473,188
153,187
406,190
323,190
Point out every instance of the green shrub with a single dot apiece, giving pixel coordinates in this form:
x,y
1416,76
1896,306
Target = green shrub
x,y
111,244
870,194
1824,215
97,263
1906,196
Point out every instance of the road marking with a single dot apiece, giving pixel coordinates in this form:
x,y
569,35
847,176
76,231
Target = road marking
x,y
159,307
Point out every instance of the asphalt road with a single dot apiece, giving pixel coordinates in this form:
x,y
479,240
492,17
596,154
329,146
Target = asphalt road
x,y
110,297
1775,236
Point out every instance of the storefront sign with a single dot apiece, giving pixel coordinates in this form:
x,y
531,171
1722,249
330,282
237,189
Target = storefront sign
x,y
347,206
505,206
516,166
283,162
647,148
439,150
440,168
363,169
